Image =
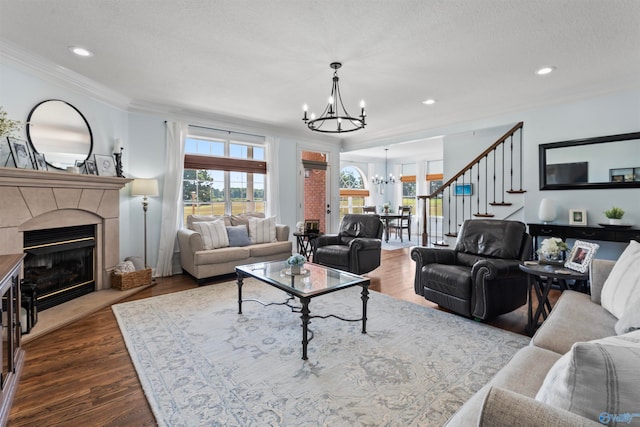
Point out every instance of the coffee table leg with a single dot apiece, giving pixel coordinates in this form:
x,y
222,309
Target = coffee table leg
x,y
240,282
305,326
365,298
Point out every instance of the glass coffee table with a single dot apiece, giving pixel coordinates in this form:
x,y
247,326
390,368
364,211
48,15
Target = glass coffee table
x,y
313,281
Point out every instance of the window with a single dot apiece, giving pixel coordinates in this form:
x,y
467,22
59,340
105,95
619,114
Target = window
x,y
408,183
409,192
352,191
222,174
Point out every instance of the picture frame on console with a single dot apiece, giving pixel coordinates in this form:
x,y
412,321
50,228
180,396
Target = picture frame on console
x,y
581,255
105,165
20,153
577,217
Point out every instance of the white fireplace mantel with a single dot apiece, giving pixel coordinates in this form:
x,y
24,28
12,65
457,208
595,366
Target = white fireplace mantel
x,y
36,200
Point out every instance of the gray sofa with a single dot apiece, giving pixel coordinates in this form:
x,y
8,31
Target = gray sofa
x,y
204,264
509,398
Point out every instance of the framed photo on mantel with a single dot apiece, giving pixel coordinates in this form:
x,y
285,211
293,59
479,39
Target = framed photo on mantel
x,y
105,165
20,153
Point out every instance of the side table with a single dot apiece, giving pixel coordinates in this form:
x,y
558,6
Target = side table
x,y
305,243
541,278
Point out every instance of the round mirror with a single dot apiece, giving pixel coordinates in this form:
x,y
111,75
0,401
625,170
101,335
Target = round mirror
x,y
59,131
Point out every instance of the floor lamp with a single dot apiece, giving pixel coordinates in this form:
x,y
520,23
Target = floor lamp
x,y
144,188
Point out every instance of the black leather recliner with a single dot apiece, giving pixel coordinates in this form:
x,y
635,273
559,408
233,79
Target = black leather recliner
x,y
356,248
480,278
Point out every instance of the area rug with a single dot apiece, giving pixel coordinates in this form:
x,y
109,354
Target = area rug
x,y
392,244
201,363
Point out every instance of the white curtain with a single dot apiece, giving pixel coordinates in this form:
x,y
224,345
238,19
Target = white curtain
x,y
176,133
273,196
421,189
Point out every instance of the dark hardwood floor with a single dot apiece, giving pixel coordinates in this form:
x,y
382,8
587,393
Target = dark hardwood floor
x,y
81,374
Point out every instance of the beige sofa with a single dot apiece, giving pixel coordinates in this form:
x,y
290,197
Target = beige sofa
x,y
204,264
509,398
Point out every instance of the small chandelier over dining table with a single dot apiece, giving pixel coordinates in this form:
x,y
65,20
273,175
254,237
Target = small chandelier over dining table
x,y
388,178
335,118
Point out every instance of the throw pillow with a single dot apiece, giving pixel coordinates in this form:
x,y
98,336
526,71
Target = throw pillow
x,y
262,230
595,377
243,218
214,234
622,287
630,319
238,235
206,218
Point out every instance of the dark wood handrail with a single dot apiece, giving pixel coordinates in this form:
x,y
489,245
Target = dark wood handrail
x,y
474,161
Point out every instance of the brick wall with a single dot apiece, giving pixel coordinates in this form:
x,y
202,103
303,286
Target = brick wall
x,y
315,190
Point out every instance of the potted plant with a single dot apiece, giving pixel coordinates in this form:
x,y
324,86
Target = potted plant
x,y
615,215
295,262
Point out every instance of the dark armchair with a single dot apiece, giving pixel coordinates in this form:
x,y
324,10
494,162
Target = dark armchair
x,y
356,248
480,278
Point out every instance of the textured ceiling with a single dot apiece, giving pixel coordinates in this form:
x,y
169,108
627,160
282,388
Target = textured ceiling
x,y
262,60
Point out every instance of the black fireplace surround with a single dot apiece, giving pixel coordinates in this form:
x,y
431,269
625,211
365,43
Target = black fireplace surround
x,y
60,263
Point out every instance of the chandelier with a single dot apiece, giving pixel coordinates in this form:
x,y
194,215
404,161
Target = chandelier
x,y
334,118
380,180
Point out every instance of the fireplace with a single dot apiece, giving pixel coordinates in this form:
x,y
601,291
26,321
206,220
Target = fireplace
x,y
51,201
60,262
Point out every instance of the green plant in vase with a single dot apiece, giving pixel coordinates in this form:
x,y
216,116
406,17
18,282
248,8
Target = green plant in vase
x,y
615,215
296,262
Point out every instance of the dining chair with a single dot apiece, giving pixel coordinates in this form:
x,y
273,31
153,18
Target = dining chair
x,y
402,223
369,209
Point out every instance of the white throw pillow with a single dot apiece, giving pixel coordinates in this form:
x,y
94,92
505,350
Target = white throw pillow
x,y
214,233
595,377
262,230
630,319
622,287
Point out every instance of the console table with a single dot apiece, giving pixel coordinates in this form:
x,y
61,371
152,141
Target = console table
x,y
582,232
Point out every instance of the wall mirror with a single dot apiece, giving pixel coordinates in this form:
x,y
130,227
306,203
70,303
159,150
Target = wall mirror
x,y
59,131
604,162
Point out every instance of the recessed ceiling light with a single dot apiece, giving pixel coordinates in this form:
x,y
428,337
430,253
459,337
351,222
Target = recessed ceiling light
x,y
429,101
545,70
81,51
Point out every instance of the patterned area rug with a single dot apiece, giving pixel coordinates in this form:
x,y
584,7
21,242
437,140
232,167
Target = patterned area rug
x,y
203,364
392,244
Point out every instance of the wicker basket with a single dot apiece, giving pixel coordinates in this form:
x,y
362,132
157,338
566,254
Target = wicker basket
x,y
131,280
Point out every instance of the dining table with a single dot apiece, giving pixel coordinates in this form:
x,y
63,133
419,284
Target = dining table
x,y
387,218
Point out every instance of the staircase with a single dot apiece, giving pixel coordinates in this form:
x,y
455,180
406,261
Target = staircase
x,y
489,186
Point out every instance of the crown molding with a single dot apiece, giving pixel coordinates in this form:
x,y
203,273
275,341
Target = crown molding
x,y
57,74
231,123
